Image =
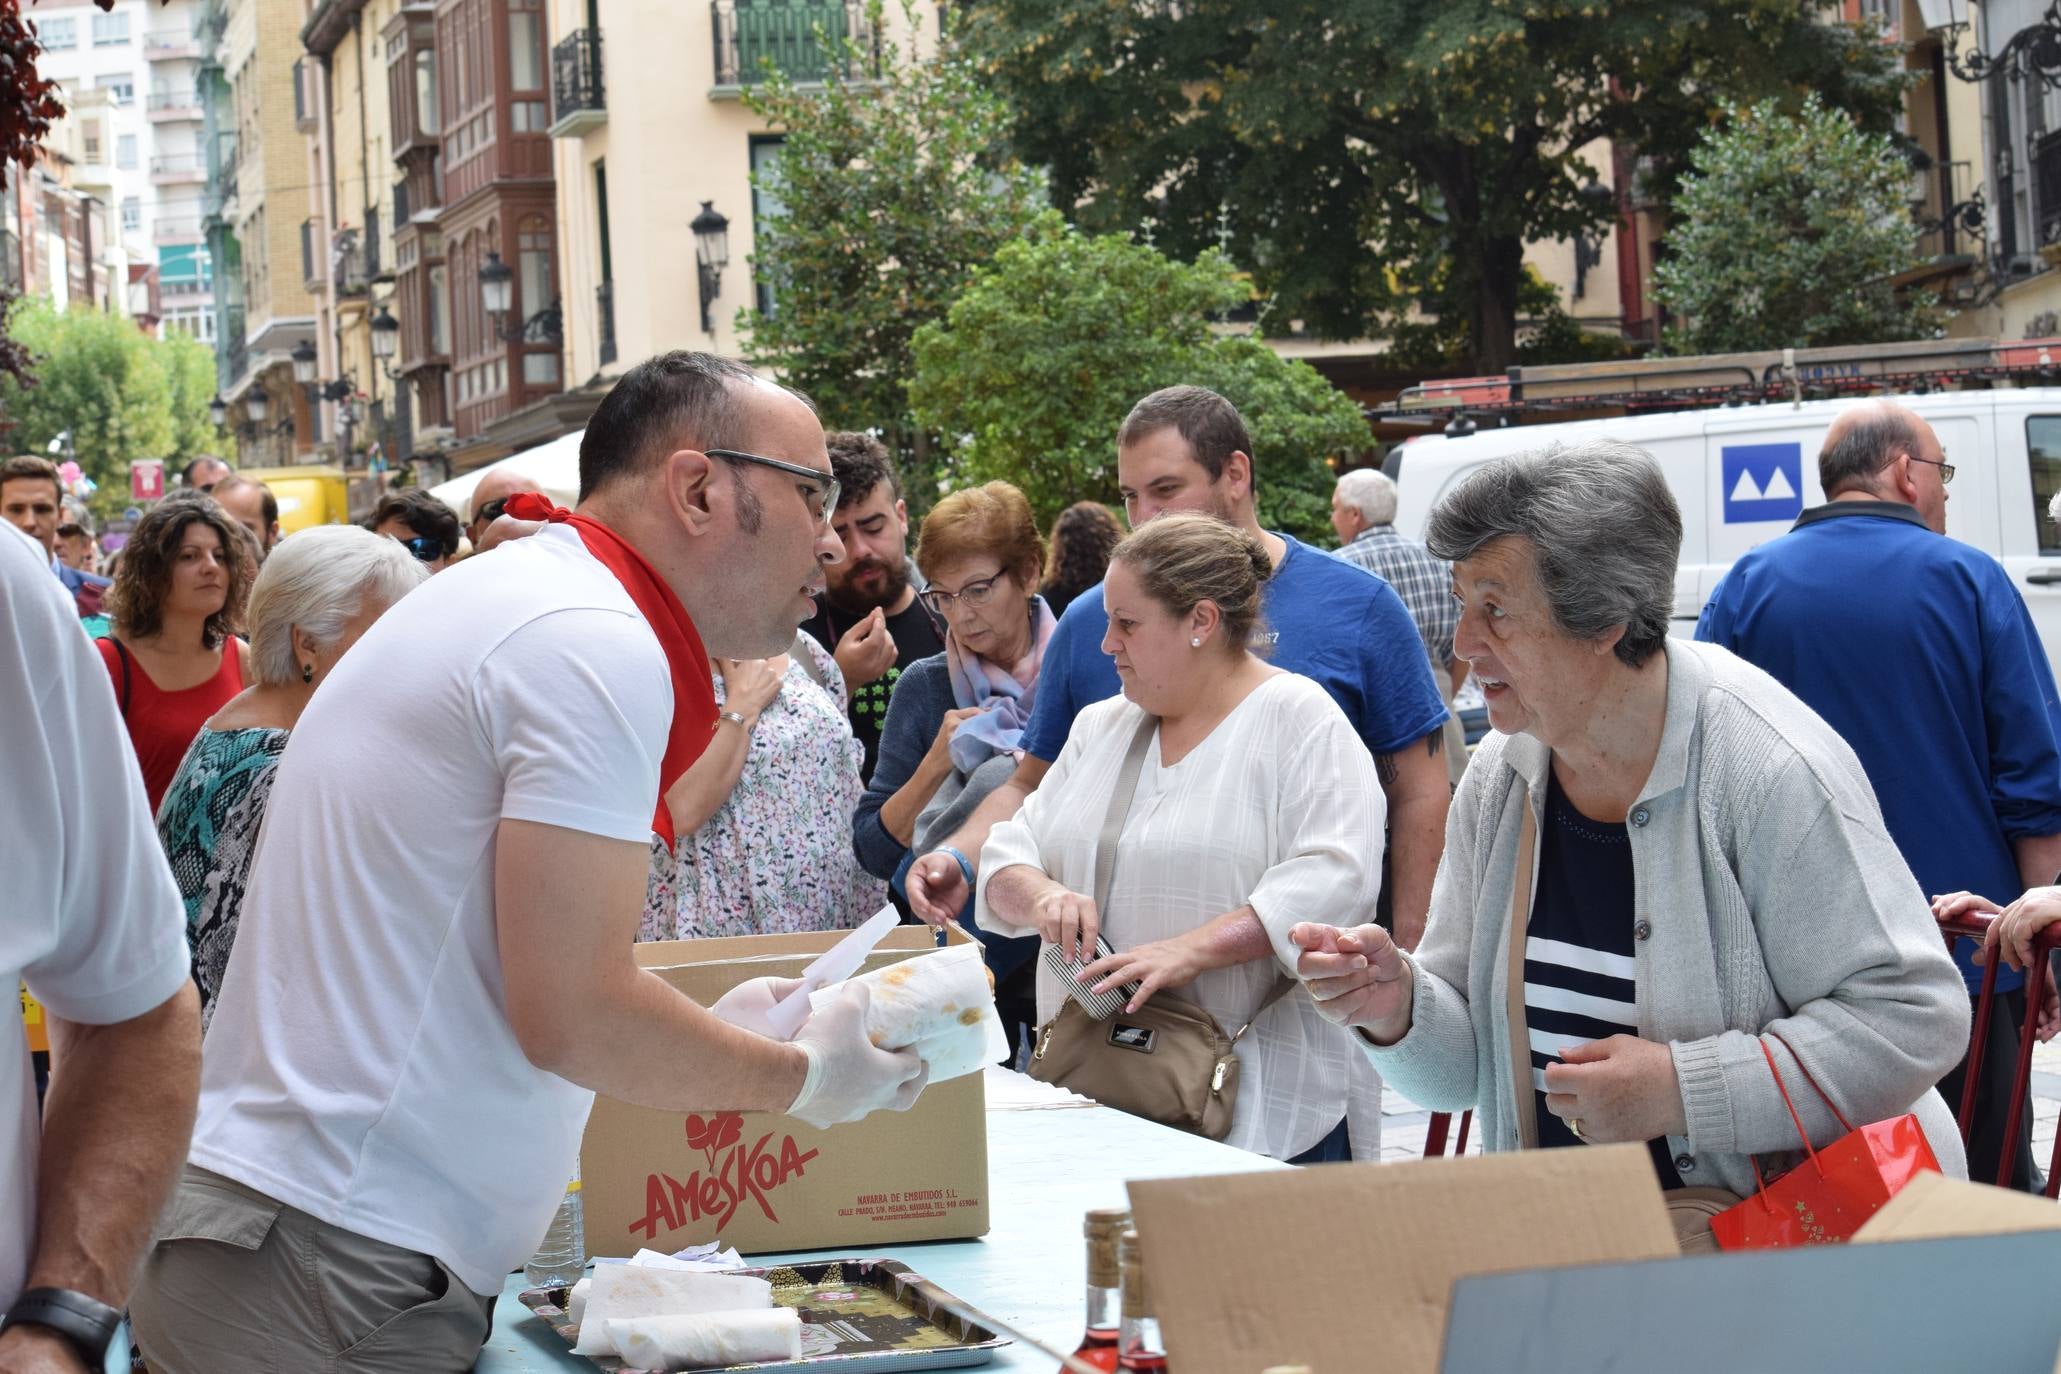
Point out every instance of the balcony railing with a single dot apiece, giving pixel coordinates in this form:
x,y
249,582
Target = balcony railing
x,y
749,37
352,265
604,314
168,167
170,44
165,105
578,102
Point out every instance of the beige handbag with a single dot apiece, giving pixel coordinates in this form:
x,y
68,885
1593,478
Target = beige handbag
x,y
1170,1061
1689,1208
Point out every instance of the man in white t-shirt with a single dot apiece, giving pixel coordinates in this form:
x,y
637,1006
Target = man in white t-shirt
x,y
92,924
433,971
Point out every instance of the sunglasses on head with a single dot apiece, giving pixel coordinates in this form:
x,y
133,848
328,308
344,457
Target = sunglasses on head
x,y
426,549
491,511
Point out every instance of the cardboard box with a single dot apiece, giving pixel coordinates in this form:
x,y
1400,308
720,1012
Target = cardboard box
x,y
1350,1266
763,1181
1934,1205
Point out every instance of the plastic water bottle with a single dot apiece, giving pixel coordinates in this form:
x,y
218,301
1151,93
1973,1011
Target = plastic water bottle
x,y
563,1255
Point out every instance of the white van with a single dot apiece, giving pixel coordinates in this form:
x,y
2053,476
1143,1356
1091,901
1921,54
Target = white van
x,y
1743,473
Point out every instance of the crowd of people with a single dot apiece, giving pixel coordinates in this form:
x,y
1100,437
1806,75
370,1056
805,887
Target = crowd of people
x,y
418,787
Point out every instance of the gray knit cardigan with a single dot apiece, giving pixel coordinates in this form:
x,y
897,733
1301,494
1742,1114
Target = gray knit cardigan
x,y
1769,898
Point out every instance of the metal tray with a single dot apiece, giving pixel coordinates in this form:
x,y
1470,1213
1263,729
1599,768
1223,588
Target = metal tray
x,y
869,1315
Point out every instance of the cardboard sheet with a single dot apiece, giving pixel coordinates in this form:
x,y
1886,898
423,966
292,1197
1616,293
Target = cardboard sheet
x,y
1351,1266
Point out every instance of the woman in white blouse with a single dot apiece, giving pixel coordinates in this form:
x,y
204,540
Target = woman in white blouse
x,y
1256,805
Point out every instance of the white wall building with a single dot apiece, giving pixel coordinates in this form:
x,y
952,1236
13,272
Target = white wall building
x,y
141,150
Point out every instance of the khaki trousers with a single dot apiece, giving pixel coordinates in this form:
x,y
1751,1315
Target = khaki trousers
x,y
238,1281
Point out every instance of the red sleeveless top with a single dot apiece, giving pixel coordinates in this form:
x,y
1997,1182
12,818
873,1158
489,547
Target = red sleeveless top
x,y
162,725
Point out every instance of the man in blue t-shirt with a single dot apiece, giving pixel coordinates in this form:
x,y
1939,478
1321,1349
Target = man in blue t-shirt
x,y
1186,449
1920,652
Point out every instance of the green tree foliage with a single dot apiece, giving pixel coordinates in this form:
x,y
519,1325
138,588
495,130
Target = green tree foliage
x,y
122,394
891,190
1047,350
1787,232
1365,158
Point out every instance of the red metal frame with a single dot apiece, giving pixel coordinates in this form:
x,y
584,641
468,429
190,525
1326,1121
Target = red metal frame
x,y
1975,927
1441,1126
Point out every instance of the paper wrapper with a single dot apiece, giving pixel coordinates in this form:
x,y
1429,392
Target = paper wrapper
x,y
942,1005
632,1290
710,1341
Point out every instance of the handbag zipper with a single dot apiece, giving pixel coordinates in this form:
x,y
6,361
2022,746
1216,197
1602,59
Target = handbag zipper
x,y
1044,1043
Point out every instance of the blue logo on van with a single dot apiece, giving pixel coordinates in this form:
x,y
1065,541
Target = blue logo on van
x,y
1763,482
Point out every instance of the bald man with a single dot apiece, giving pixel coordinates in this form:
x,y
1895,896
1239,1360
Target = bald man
x,y
493,489
1919,650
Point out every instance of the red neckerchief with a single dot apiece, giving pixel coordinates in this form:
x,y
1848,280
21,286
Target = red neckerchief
x,y
694,693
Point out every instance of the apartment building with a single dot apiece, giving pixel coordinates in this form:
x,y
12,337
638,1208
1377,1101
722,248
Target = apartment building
x,y
129,76
348,240
257,190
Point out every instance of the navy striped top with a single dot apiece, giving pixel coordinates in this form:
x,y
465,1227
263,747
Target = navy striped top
x,y
1580,973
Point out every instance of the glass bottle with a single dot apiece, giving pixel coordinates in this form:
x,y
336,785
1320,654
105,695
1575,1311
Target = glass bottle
x,y
1139,1346
1098,1345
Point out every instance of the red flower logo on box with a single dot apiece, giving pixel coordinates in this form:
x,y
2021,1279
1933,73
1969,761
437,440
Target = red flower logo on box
x,y
713,1134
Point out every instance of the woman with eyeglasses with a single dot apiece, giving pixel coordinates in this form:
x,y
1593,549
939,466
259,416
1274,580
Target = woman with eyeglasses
x,y
318,593
173,656
955,718
426,527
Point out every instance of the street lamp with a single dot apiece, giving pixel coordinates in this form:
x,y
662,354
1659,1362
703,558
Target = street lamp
x,y
256,405
495,281
711,256
218,411
303,356
386,339
2034,52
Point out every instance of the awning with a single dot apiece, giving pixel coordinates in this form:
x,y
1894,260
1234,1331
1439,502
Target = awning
x,y
554,466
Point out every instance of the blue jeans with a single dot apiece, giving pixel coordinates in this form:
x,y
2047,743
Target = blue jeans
x,y
1335,1148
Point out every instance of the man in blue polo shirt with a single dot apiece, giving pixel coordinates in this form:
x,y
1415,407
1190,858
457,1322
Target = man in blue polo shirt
x,y
1920,652
1185,448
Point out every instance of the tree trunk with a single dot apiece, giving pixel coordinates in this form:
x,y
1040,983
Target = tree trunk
x,y
1492,328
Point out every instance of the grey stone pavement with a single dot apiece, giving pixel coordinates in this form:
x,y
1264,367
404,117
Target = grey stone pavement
x,y
1404,1123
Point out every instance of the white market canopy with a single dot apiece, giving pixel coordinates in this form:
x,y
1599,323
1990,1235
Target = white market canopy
x,y
554,466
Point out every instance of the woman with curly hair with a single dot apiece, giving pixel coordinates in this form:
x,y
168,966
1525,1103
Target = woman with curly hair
x,y
174,661
1082,538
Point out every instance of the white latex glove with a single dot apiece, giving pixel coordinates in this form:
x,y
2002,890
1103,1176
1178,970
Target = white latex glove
x,y
849,1077
748,1003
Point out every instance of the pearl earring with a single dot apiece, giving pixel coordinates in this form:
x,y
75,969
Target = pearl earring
x,y
1195,643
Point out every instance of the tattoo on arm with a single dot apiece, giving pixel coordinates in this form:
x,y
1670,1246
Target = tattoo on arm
x,y
1385,768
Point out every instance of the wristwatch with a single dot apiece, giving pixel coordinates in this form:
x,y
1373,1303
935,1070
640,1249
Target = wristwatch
x,y
737,718
87,1324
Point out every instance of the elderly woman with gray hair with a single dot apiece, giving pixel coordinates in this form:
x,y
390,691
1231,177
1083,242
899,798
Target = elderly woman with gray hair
x,y
317,593
1660,863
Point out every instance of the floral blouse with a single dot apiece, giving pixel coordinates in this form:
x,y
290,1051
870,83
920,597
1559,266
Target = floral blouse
x,y
776,857
208,824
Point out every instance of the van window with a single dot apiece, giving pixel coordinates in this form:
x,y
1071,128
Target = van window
x,y
2043,447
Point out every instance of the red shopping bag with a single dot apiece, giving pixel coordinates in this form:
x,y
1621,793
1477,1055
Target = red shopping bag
x,y
1825,1199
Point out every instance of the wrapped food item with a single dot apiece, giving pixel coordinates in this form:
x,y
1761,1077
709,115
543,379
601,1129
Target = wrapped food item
x,y
633,1290
708,1341
942,1005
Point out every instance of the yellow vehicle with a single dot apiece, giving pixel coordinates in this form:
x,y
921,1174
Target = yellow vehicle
x,y
308,494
